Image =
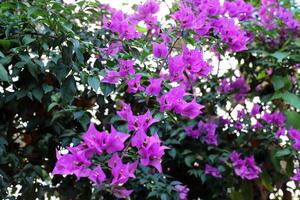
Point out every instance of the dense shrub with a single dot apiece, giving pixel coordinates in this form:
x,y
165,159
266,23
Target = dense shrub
x,y
100,104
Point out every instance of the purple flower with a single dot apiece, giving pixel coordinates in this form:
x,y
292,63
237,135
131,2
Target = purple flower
x,y
183,191
191,109
121,25
113,48
255,109
270,12
150,7
115,141
241,113
195,63
121,192
126,67
257,125
241,87
125,111
134,85
276,118
176,68
145,12
212,171
296,176
97,175
154,87
184,16
225,86
172,100
280,132
192,132
231,34
202,25
111,77
121,172
139,138
238,125
245,168
159,50
210,129
294,134
94,139
240,9
151,152
75,163
140,122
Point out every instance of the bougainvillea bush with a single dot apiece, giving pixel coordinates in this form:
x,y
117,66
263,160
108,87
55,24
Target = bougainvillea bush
x,y
98,103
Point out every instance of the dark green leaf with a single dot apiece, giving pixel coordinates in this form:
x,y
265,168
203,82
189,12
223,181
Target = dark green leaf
x,y
94,82
292,119
3,74
291,99
27,39
280,55
107,88
282,152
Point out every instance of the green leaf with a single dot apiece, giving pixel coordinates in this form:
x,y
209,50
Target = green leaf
x,y
295,58
282,152
27,39
189,160
94,82
261,75
5,44
67,54
266,180
2,55
52,105
107,88
68,89
47,88
164,196
280,55
141,29
247,190
291,99
135,53
3,73
277,82
292,119
172,153
297,43
235,195
38,94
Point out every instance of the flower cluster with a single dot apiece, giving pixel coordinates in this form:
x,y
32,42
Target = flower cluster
x,y
79,160
239,87
212,171
168,77
239,9
209,128
205,16
146,13
270,12
296,176
183,191
294,134
120,24
245,168
173,100
149,147
278,120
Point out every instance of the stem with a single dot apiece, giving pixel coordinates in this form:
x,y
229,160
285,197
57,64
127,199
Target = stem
x,y
158,70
